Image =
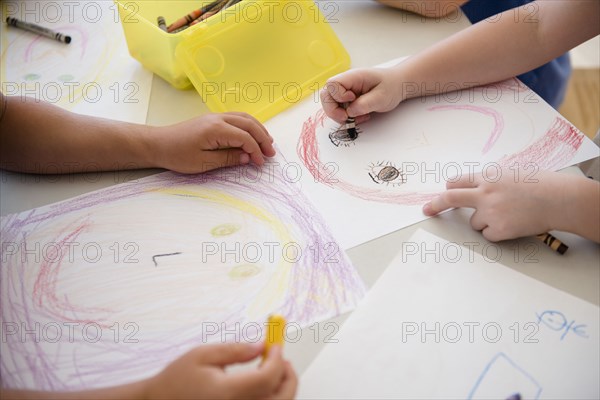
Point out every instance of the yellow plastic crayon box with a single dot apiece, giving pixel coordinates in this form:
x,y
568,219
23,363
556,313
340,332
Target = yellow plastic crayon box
x,y
258,56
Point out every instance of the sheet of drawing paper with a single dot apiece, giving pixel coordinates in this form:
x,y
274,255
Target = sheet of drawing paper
x,y
445,323
110,286
403,158
93,75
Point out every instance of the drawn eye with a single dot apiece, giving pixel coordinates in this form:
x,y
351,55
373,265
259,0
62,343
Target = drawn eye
x,y
342,136
386,173
225,230
244,271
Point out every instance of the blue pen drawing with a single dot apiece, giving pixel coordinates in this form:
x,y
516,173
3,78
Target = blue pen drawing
x,y
557,321
501,378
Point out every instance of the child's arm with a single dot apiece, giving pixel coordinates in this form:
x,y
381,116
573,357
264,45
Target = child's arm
x,y
198,374
520,203
39,137
492,50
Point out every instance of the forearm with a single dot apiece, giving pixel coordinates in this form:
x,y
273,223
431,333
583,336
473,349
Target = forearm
x,y
38,137
427,8
136,390
580,209
507,45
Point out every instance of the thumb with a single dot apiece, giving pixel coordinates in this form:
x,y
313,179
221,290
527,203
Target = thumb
x,y
212,159
367,103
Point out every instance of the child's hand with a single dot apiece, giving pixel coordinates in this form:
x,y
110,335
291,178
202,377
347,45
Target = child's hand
x,y
211,141
514,204
365,91
200,374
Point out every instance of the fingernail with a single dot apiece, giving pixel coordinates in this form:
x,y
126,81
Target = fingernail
x,y
256,347
244,158
427,209
274,351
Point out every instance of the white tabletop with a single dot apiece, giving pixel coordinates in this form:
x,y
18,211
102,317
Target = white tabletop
x,y
372,34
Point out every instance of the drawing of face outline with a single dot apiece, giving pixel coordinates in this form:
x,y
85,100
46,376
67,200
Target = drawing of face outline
x,y
43,64
557,321
313,150
554,320
321,283
234,279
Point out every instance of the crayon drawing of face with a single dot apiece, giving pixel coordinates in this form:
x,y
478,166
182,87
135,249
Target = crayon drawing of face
x,y
409,157
146,270
554,320
56,72
219,272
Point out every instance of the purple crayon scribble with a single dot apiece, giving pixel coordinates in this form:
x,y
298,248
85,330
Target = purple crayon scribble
x,y
317,288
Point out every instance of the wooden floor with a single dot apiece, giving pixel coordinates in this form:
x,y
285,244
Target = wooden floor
x,y
582,101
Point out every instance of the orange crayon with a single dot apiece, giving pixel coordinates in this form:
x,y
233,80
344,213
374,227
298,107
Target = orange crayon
x,y
206,16
188,19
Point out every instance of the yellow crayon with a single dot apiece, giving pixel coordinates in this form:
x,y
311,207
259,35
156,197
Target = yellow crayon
x,y
275,327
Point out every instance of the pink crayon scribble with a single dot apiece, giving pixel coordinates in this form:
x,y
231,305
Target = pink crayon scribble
x,y
552,151
33,292
44,290
498,121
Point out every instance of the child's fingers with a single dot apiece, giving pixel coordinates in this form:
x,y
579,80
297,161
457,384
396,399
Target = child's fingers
x,y
256,131
226,353
264,381
339,88
451,199
213,159
367,103
465,181
478,221
234,137
288,387
363,118
246,115
332,108
493,235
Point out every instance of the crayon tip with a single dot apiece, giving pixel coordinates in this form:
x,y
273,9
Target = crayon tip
x,y
352,133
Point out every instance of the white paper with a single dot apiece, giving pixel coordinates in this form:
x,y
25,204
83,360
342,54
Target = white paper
x,y
443,323
93,75
110,286
421,144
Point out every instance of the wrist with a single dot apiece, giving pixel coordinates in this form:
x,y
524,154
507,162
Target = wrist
x,y
153,146
581,208
406,87
565,214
